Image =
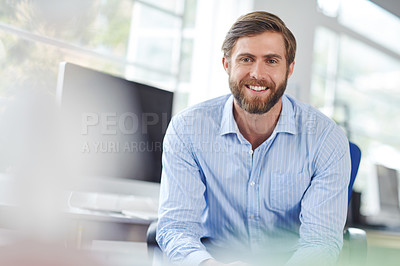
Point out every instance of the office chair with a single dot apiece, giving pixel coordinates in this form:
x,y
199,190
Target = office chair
x,y
354,249
355,155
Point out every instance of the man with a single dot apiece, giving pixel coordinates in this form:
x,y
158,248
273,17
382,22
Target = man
x,y
258,174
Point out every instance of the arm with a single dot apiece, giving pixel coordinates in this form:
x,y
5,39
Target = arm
x,y
182,201
324,205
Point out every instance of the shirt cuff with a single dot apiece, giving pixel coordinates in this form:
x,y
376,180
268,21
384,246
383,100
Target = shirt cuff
x,y
197,257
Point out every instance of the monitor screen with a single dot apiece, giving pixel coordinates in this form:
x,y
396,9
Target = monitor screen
x,y
116,126
388,188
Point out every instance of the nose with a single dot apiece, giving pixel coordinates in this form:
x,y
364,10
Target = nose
x,y
257,70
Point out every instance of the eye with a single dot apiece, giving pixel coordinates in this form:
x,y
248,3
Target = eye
x,y
272,61
246,60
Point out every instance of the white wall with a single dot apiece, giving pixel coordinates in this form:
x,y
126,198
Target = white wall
x,y
214,18
301,18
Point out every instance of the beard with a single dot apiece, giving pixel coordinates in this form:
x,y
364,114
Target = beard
x,y
257,104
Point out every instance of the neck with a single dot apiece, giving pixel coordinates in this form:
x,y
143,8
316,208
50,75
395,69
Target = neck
x,y
257,128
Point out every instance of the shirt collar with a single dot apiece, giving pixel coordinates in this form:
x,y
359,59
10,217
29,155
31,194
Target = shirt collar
x,y
286,122
228,123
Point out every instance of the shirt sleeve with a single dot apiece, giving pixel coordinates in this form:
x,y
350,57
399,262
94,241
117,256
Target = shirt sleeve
x,y
324,205
182,201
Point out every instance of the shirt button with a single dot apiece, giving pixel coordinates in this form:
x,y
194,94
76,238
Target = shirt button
x,y
252,216
252,183
250,152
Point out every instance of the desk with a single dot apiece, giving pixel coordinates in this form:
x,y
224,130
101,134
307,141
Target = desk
x,y
383,248
121,253
83,226
384,239
87,226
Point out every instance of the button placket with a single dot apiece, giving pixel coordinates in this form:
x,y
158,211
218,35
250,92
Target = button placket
x,y
253,199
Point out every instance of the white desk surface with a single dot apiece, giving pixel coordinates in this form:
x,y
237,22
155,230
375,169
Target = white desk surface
x,y
120,253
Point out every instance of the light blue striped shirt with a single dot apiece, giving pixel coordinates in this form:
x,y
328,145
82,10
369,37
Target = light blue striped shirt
x,y
286,201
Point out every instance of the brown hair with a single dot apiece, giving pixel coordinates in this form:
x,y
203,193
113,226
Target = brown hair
x,y
256,23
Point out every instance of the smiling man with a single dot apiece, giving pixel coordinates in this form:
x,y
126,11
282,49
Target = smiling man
x,y
254,177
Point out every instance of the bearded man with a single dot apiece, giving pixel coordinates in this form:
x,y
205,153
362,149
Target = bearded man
x,y
254,177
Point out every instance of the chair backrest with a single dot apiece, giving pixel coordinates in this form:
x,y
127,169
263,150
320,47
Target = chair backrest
x,y
355,155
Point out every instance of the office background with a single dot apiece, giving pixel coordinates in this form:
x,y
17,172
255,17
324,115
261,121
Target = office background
x,y
347,63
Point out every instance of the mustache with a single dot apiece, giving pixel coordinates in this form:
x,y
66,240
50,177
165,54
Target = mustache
x,y
254,82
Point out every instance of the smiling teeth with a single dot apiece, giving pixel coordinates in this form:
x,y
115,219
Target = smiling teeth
x,y
257,88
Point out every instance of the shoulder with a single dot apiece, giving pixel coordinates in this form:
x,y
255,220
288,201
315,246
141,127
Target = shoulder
x,y
209,112
303,110
214,105
316,125
205,110
310,118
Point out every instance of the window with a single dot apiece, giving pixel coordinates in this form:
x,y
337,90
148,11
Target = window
x,y
171,44
356,81
371,21
141,40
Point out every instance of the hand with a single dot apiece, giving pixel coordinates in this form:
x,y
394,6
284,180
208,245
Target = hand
x,y
238,263
213,262
210,262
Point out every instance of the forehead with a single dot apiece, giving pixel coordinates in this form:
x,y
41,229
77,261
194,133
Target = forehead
x,y
261,44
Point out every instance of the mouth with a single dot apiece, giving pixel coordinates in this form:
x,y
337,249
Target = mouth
x,y
257,88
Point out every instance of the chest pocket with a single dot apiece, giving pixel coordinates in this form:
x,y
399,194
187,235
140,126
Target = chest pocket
x,y
287,189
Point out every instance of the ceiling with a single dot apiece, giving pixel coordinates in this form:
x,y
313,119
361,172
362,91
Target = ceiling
x,y
392,6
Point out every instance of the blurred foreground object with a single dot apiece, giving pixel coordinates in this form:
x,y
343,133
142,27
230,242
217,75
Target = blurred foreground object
x,y
40,254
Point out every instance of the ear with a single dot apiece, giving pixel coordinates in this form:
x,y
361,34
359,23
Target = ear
x,y
225,64
291,68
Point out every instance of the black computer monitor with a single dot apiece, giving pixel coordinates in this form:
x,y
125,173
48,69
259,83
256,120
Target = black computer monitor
x,y
116,126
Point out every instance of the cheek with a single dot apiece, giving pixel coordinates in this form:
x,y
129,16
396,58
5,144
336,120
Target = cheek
x,y
278,75
239,72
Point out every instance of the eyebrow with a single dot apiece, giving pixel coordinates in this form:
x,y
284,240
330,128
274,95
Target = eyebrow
x,y
273,55
245,54
265,56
